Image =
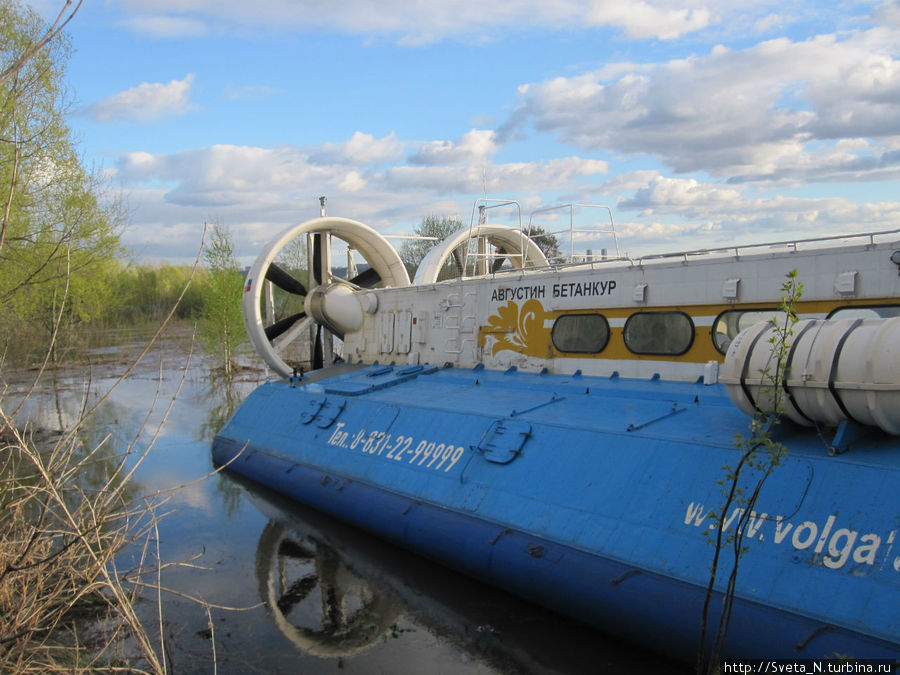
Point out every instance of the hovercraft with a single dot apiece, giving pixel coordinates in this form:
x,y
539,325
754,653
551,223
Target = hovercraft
x,y
563,429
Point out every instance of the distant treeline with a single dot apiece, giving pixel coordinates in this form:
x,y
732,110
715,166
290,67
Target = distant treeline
x,y
121,296
145,293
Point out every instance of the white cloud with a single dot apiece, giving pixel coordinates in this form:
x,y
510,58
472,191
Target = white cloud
x,y
641,235
771,22
352,182
258,191
692,214
415,23
166,26
251,91
732,118
497,179
225,175
640,19
359,149
679,194
888,13
145,103
474,146
732,113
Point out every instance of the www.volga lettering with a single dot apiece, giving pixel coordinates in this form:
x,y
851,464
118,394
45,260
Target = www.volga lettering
x,y
834,546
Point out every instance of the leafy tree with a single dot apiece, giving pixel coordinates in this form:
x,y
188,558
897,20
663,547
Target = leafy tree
x,y
221,329
12,68
57,240
413,251
148,292
547,242
759,455
293,259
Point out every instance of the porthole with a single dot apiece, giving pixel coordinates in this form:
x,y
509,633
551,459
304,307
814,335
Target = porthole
x,y
866,312
731,322
580,333
659,333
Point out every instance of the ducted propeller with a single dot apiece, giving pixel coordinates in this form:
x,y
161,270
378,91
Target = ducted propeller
x,y
276,297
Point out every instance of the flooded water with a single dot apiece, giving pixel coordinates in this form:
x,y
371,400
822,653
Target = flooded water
x,y
288,589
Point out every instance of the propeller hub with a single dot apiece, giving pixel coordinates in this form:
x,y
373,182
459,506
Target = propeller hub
x,y
335,306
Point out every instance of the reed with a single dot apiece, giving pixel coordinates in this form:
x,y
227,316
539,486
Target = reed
x,y
59,535
67,508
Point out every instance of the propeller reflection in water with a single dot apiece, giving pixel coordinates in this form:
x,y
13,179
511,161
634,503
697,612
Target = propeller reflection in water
x,y
335,592
315,599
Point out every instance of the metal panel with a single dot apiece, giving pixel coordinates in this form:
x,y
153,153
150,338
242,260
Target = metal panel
x,y
504,440
387,332
403,331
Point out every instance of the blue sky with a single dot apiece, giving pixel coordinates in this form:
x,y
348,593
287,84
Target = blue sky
x,y
700,123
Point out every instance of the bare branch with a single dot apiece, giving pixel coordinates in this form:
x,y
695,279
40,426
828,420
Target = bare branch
x,y
12,187
61,20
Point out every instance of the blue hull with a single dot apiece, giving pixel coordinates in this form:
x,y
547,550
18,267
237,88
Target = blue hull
x,y
591,496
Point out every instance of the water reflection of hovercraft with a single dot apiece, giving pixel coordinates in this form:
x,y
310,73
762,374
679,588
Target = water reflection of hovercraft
x,y
335,590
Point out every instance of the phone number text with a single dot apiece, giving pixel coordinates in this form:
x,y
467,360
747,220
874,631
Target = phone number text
x,y
399,448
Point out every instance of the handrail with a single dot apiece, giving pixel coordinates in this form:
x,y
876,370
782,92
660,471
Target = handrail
x,y
412,237
790,243
481,205
572,230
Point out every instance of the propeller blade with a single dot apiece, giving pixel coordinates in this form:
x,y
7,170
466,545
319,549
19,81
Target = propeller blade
x,y
284,281
282,326
318,356
317,258
297,593
366,279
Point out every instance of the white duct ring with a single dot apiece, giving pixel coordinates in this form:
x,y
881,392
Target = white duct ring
x,y
511,239
377,251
